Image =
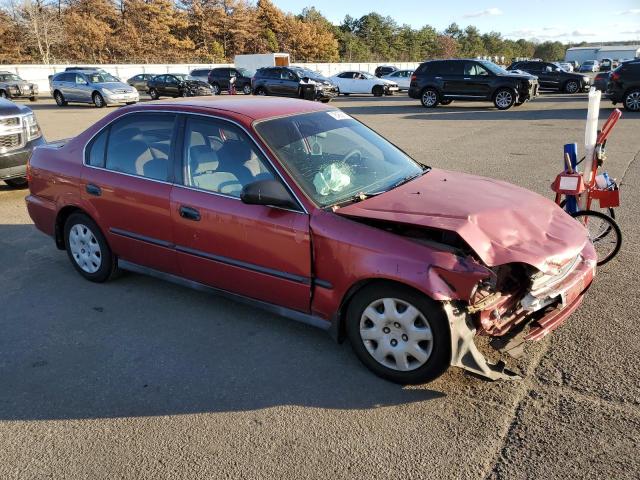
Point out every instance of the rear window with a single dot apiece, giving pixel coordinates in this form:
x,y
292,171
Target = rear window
x,y
447,68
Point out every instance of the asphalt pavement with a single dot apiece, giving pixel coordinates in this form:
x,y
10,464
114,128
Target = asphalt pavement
x,y
138,378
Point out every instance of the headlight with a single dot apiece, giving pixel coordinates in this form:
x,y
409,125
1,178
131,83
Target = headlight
x,y
32,127
107,91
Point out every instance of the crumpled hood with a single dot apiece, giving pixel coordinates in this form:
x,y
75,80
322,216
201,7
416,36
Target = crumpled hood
x,y
501,222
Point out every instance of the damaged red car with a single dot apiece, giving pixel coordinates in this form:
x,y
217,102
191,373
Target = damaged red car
x,y
298,208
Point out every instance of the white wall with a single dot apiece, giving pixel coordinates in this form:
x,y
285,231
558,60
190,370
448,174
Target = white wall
x,y
40,73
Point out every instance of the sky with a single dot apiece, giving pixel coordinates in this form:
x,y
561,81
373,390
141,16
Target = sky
x,y
562,20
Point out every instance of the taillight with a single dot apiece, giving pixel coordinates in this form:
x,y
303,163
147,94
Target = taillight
x,y
414,77
615,76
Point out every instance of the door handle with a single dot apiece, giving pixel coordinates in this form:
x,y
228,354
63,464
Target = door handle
x,y
467,78
438,78
93,189
190,213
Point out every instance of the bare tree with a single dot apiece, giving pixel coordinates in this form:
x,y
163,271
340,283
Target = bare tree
x,y
41,25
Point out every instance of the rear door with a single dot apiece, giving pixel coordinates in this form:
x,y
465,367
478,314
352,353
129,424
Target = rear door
x,y
127,182
172,86
252,250
290,83
451,73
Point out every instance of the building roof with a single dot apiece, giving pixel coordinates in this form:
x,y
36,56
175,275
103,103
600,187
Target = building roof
x,y
608,48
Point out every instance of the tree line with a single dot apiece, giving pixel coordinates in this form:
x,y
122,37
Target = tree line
x,y
214,31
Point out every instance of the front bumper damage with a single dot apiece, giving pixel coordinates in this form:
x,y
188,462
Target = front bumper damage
x,y
548,303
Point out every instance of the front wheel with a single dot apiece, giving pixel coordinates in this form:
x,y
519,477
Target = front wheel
x,y
571,86
504,99
33,99
429,98
632,101
246,89
3,94
59,98
261,91
17,182
98,100
88,249
215,88
604,233
377,91
153,93
399,334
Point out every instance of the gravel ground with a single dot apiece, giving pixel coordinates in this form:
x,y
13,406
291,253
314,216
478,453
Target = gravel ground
x,y
138,378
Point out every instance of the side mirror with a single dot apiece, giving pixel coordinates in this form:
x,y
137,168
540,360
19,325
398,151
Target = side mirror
x,y
267,192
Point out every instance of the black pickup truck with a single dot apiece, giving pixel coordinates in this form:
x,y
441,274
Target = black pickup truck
x,y
19,134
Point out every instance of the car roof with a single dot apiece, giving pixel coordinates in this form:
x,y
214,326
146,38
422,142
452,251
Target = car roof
x,y
253,107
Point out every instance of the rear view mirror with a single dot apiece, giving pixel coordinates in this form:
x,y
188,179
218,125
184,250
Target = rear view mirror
x,y
267,192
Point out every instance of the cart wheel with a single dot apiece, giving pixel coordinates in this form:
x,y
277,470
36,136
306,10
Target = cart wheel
x,y
604,233
607,211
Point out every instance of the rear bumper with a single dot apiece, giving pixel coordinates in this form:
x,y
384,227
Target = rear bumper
x,y
43,213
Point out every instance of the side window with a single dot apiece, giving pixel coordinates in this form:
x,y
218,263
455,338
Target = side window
x,y
95,152
287,75
273,73
140,144
474,69
452,68
533,67
346,75
80,79
219,157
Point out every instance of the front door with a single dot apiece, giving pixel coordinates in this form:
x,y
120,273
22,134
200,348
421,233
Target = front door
x,y
253,250
477,80
126,182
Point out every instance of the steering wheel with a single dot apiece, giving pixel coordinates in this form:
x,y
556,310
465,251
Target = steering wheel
x,y
353,153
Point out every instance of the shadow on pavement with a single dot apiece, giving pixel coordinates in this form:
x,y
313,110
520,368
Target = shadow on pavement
x,y
137,346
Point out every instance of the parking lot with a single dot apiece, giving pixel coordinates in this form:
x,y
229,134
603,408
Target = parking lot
x,y
139,378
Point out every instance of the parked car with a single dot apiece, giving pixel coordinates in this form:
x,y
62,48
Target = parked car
x,y
201,74
177,85
12,86
354,81
384,70
292,82
624,86
330,224
566,66
554,77
85,69
400,77
439,82
99,88
220,79
141,82
589,66
606,65
19,135
601,80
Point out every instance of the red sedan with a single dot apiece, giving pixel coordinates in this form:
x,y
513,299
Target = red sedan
x,y
300,209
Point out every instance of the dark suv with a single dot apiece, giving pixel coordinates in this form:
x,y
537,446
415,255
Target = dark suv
x,y
293,82
220,79
624,85
383,70
442,81
552,76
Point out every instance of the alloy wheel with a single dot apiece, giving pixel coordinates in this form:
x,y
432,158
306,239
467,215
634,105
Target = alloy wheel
x,y
216,89
572,87
85,248
396,334
246,89
429,98
632,101
504,99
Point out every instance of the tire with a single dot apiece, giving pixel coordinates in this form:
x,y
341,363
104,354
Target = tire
x,y
631,101
98,100
325,100
3,94
87,248
131,103
153,93
184,93
606,237
572,86
426,333
260,91
19,182
246,89
504,98
446,102
377,90
59,98
429,98
215,88
33,99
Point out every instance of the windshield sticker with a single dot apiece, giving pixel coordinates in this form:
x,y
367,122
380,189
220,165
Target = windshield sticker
x,y
339,115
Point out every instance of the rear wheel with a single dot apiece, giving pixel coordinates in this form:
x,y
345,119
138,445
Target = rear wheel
x,y
632,101
504,99
59,98
153,93
98,100
216,89
572,86
88,249
17,182
446,101
399,334
246,89
377,90
261,91
429,98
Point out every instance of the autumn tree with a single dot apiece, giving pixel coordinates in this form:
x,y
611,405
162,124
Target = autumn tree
x,y
12,49
88,28
271,23
43,31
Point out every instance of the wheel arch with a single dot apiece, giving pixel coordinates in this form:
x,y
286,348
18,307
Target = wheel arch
x,y
63,214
